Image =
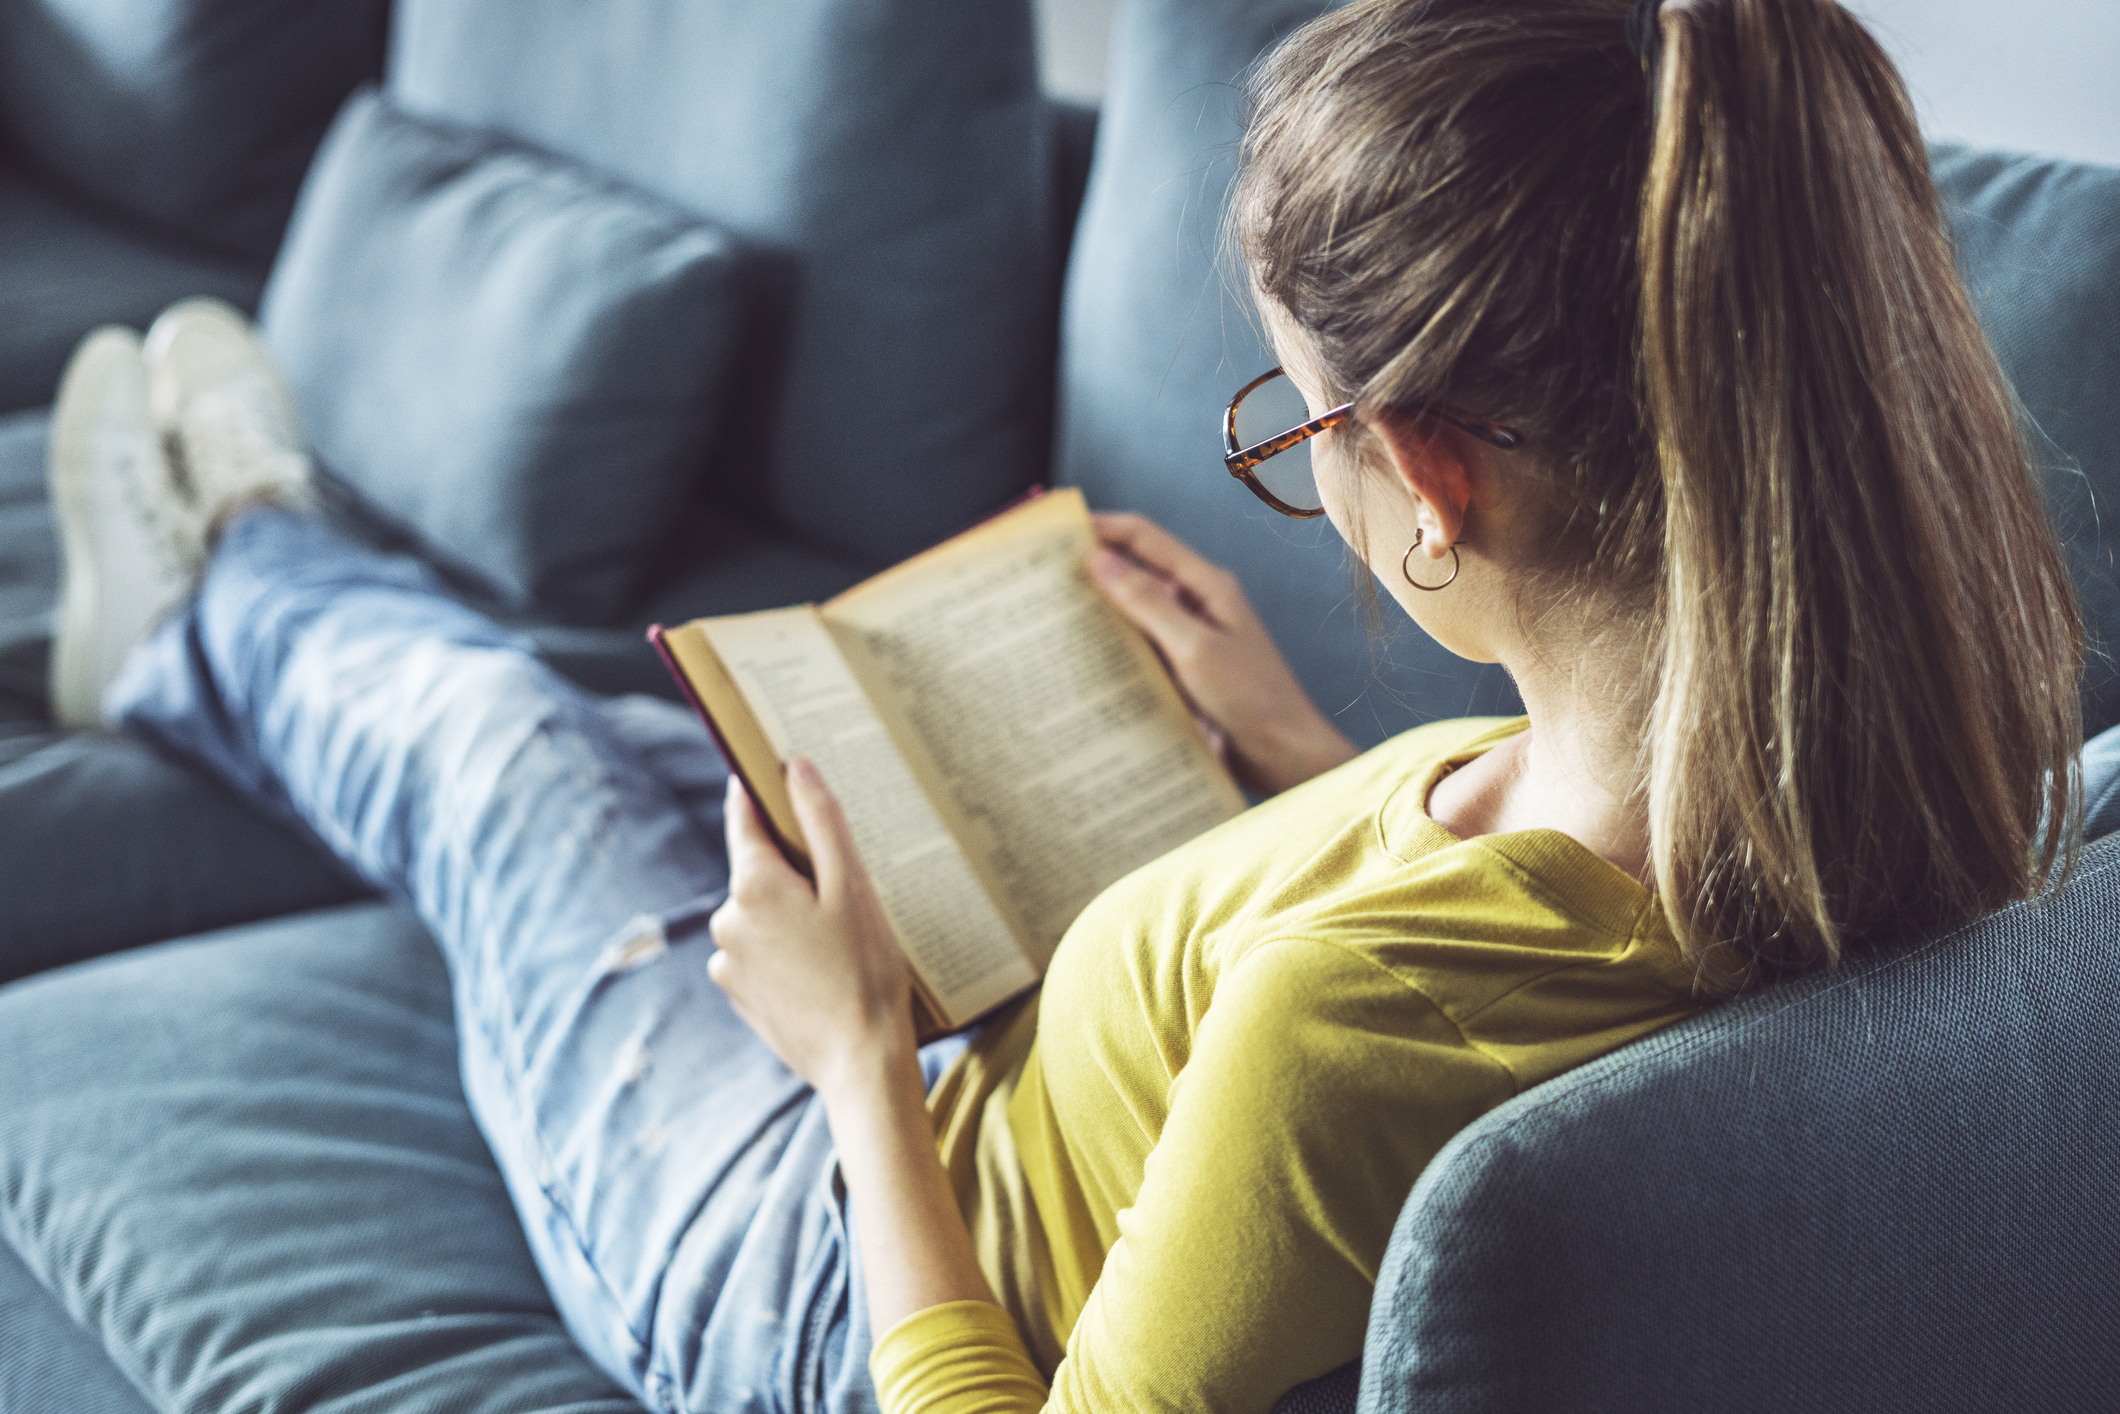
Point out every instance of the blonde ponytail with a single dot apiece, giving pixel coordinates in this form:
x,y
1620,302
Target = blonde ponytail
x,y
1868,702
1755,398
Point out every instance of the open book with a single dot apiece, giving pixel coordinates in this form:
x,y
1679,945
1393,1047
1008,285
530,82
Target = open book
x,y
1004,744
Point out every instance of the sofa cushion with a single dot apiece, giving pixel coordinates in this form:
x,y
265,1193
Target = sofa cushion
x,y
300,1214
1885,1188
2039,242
29,567
738,568
197,115
51,1363
105,843
69,267
1158,336
886,157
515,358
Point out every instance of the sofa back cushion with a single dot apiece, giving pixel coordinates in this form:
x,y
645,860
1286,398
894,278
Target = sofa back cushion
x,y
2039,242
1158,332
884,156
513,358
196,115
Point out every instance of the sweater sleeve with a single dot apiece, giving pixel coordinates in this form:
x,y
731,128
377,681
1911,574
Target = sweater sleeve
x,y
963,1357
1317,1088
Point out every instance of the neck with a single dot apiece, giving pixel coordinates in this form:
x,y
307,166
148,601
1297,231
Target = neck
x,y
1579,769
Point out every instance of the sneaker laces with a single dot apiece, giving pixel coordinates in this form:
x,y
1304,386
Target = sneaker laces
x,y
232,457
173,530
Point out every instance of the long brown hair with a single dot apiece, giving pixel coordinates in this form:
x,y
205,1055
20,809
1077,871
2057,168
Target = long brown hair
x,y
1713,286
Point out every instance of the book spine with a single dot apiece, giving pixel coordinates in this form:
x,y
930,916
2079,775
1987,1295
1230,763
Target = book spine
x,y
795,857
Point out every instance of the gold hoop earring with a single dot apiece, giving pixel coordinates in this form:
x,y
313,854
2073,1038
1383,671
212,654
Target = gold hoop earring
x,y
1406,566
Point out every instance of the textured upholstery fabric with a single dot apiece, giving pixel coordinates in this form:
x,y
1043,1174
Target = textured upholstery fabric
x,y
1889,1188
51,1364
2101,784
244,1165
107,844
1332,1393
885,159
69,268
29,566
736,568
1157,335
2039,242
196,115
513,357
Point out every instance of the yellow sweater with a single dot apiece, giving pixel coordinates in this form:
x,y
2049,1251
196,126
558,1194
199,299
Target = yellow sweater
x,y
1182,1165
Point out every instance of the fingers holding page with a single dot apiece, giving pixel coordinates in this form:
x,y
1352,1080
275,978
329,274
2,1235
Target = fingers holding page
x,y
824,825
1225,662
1202,587
1155,605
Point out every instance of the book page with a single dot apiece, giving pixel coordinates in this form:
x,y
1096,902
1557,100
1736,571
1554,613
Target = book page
x,y
808,703
1068,756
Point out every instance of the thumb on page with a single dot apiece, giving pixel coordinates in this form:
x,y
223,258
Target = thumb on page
x,y
824,825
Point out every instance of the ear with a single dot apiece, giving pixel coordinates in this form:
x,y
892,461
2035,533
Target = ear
x,y
1430,460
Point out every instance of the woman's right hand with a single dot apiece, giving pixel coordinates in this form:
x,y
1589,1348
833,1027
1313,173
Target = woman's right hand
x,y
1269,732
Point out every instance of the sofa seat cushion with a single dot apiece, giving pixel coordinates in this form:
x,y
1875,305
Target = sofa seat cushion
x,y
513,357
69,267
50,1362
244,1165
197,115
106,844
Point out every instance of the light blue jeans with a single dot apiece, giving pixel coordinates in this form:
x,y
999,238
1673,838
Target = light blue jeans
x,y
677,1183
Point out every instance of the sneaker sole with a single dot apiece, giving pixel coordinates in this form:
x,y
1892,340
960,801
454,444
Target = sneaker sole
x,y
76,686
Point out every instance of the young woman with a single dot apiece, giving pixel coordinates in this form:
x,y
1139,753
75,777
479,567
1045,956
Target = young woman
x,y
1630,355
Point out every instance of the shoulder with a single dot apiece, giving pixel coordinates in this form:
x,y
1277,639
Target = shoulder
x,y
1310,1038
1328,995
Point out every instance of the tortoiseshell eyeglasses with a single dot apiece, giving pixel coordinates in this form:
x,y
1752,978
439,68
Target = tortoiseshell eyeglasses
x,y
1267,432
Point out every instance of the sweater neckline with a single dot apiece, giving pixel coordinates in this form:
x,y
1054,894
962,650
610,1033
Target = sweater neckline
x,y
1576,877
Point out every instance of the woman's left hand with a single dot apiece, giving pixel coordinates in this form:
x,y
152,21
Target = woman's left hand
x,y
814,968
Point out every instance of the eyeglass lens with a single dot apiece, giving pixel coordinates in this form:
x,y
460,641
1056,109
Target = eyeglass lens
x,y
1267,411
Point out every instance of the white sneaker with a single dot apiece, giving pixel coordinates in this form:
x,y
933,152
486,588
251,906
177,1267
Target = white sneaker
x,y
132,544
225,413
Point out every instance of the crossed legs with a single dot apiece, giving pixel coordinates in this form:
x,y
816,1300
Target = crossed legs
x,y
674,1179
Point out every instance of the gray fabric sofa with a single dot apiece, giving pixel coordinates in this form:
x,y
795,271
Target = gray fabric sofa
x,y
236,1169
